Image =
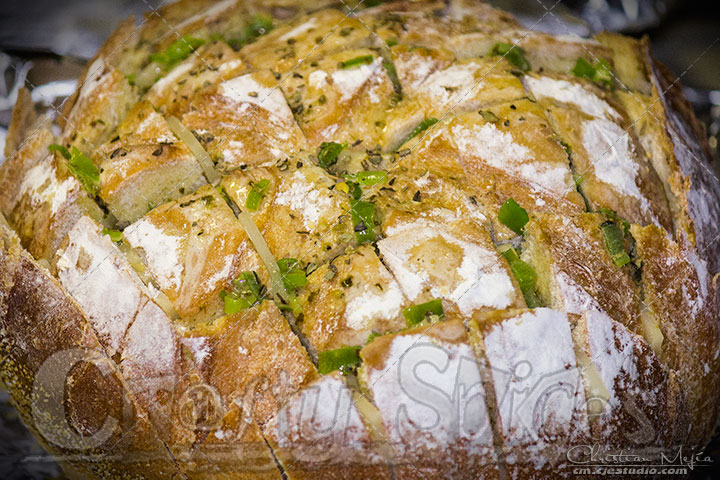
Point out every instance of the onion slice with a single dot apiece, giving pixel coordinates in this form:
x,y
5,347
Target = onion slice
x,y
203,158
276,286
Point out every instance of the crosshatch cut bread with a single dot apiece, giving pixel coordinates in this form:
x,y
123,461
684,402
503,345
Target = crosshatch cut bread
x,y
311,240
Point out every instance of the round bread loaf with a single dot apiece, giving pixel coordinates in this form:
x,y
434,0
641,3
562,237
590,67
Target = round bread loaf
x,y
413,240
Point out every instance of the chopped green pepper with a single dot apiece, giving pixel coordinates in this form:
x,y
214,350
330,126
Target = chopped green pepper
x,y
115,235
525,276
421,127
393,75
256,194
60,149
363,217
599,73
178,51
513,54
513,216
354,189
258,26
328,153
354,62
583,68
612,215
418,313
373,335
367,178
293,276
80,166
246,293
615,243
342,359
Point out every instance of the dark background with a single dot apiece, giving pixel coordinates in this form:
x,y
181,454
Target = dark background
x,y
53,39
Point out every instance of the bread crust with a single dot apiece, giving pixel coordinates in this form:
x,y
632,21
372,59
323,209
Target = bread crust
x,y
44,328
692,154
21,123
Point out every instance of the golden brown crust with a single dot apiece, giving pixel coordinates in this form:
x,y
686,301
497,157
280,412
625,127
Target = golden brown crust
x,y
119,41
145,165
43,201
212,64
102,102
31,152
633,400
628,61
646,203
45,334
248,121
21,123
334,108
576,270
700,184
275,365
199,239
557,54
343,298
274,52
679,293
426,369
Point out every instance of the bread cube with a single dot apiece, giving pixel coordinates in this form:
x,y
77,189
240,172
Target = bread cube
x,y
679,296
245,121
309,219
193,248
65,387
454,260
326,431
538,395
210,64
350,298
576,272
614,170
334,102
104,98
305,39
43,201
427,386
633,400
145,165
